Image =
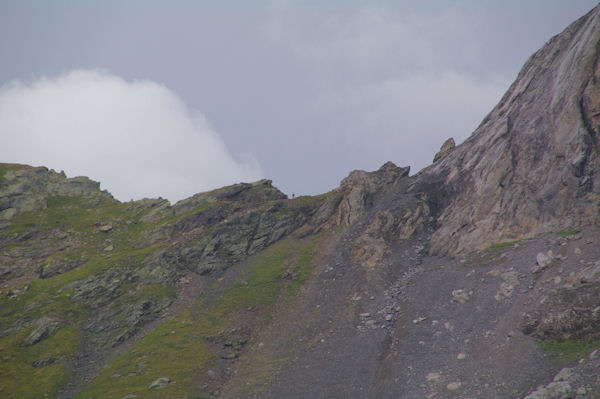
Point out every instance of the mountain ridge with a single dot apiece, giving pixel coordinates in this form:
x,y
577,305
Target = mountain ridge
x,y
477,277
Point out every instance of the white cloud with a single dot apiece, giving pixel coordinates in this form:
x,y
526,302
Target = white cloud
x,y
136,137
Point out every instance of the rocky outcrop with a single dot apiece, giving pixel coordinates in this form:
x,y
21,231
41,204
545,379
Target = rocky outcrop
x,y
117,324
531,166
45,327
566,313
568,384
381,201
160,383
24,188
359,188
247,194
447,146
235,222
237,237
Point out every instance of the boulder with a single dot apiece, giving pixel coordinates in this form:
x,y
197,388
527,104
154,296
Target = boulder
x,y
160,382
447,146
43,362
45,328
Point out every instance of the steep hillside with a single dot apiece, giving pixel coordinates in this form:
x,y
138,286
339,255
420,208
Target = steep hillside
x,y
477,277
85,276
531,166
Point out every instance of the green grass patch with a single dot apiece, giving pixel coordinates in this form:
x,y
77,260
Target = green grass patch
x,y
180,348
176,349
298,256
78,217
569,351
20,379
351,310
262,283
76,213
568,232
501,246
486,256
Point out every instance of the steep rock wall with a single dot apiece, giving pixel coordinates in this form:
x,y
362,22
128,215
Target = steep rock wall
x,y
532,164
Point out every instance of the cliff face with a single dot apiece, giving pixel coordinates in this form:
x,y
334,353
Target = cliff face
x,y
477,277
532,164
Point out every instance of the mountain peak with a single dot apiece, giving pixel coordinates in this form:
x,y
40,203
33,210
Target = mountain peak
x,y
531,165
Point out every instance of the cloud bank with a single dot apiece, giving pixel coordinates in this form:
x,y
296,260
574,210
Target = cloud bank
x,y
137,138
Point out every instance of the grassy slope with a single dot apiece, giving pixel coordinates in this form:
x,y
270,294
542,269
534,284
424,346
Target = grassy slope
x,y
45,297
176,348
179,348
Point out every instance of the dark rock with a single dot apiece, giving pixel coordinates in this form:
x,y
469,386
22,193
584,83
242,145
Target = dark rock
x,y
242,236
248,193
289,275
326,210
43,362
566,314
111,326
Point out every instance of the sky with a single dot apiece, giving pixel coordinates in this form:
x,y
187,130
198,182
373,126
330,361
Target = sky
x,y
170,98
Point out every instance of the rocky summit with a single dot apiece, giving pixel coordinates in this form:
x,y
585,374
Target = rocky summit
x,y
477,277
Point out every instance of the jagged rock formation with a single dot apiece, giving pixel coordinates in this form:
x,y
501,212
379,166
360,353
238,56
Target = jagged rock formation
x,y
477,277
360,186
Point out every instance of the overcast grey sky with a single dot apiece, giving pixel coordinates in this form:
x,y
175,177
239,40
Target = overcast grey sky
x,y
171,98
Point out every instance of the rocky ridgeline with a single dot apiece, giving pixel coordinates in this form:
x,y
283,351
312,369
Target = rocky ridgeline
x,y
248,219
24,188
529,168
